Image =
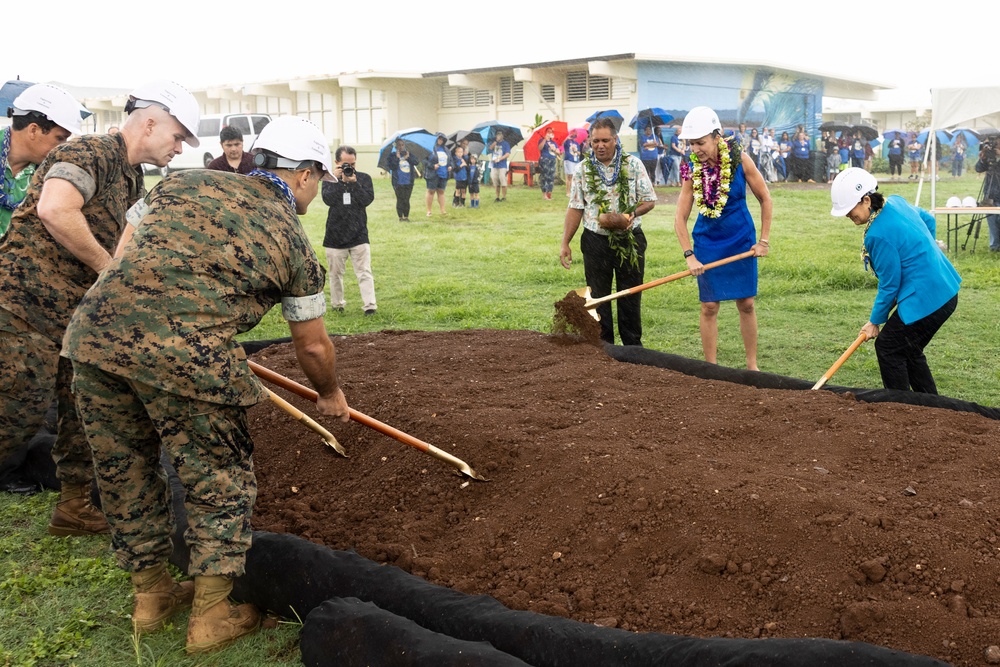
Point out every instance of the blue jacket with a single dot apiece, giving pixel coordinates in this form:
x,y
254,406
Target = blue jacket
x,y
913,273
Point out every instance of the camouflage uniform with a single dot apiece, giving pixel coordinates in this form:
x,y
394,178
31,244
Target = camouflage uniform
x,y
156,362
41,283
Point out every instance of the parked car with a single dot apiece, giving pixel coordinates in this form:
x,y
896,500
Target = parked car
x,y
208,134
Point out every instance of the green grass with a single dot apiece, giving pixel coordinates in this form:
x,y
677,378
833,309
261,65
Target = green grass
x,y
63,601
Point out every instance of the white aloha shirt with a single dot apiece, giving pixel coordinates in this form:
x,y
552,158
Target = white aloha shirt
x,y
639,187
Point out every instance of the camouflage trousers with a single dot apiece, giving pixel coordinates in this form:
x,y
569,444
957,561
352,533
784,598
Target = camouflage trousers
x,y
209,446
31,374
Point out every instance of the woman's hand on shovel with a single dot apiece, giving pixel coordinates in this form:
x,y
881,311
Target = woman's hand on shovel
x,y
870,330
694,266
334,406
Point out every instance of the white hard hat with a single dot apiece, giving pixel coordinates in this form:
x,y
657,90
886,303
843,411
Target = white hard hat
x,y
953,202
699,122
177,101
969,202
54,103
849,188
297,140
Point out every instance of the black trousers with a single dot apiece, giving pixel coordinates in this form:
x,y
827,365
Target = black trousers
x,y
403,193
900,350
600,267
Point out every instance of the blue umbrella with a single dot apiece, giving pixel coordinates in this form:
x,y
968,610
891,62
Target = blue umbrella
x,y
613,114
654,115
903,134
971,137
418,141
10,91
488,131
941,137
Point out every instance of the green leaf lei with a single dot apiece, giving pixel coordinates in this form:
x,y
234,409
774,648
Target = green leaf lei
x,y
621,241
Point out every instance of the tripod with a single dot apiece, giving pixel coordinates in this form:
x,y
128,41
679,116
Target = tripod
x,y
991,183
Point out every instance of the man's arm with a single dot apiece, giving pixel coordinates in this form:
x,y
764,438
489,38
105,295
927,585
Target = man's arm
x,y
329,193
318,359
365,192
60,208
572,222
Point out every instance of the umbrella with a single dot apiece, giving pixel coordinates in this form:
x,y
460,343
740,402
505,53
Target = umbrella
x,y
888,134
418,141
9,92
984,132
654,115
531,147
578,133
488,131
613,114
941,137
971,137
868,133
476,145
834,126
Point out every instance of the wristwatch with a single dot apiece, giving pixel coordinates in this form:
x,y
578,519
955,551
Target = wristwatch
x,y
688,253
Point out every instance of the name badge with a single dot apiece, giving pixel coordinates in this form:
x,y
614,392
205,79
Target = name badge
x,y
347,199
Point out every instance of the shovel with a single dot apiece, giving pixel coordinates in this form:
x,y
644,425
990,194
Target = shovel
x,y
837,364
407,439
591,304
308,421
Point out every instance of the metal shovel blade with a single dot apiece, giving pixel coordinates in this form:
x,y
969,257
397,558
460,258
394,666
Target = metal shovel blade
x,y
585,293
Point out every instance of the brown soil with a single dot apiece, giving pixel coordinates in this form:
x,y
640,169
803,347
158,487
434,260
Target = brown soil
x,y
640,498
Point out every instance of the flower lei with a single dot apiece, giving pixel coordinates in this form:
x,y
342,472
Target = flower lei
x,y
711,186
621,241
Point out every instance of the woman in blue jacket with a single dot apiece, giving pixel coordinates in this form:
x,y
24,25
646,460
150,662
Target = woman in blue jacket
x,y
914,276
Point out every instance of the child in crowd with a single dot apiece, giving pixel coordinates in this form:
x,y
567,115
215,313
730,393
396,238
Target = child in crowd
x,y
475,174
460,170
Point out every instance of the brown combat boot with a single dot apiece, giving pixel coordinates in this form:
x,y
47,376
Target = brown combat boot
x,y
214,622
157,598
76,515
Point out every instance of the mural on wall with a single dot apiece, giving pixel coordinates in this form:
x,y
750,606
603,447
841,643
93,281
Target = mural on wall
x,y
780,101
758,97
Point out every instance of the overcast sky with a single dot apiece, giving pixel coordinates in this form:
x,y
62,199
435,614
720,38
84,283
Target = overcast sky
x,y
206,42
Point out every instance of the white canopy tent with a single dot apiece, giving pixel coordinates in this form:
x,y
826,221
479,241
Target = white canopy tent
x,y
951,107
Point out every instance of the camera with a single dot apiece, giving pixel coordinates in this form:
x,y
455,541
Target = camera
x,y
347,169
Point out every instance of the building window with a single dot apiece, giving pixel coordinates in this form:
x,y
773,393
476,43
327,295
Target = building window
x,y
548,92
511,92
581,87
364,116
454,97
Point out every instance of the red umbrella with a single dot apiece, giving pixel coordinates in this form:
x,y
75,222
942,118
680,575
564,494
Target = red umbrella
x,y
531,146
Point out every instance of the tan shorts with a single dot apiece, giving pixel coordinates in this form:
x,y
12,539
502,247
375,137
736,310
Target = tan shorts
x,y
498,176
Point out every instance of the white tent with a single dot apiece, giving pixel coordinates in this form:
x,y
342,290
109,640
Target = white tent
x,y
951,107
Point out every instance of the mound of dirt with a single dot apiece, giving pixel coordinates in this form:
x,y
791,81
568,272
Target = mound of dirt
x,y
643,499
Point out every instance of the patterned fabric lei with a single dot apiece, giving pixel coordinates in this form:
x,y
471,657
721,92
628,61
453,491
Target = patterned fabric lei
x,y
866,259
621,241
711,185
281,185
7,201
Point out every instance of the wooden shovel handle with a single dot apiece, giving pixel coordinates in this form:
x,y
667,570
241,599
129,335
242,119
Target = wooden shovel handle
x,y
666,279
310,394
840,362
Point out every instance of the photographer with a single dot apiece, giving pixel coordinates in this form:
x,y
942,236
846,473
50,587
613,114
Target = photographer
x,y
403,169
989,164
347,229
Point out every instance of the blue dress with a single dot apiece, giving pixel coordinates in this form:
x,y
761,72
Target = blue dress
x,y
730,234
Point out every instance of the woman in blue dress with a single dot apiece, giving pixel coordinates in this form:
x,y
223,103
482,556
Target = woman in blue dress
x,y
714,178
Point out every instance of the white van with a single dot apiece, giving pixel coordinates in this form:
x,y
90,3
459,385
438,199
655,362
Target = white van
x,y
208,134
